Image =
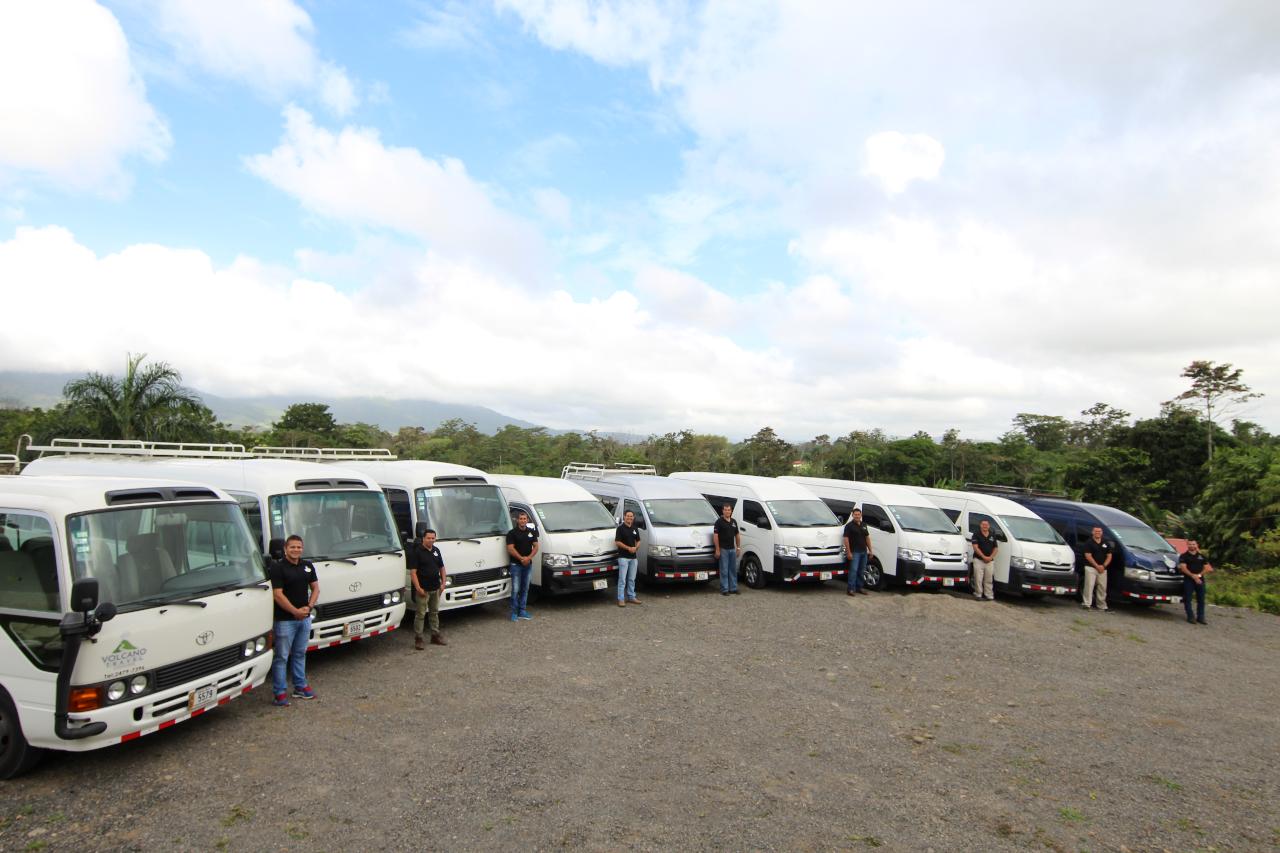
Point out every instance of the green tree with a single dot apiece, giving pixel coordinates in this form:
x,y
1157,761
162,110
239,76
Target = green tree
x,y
1103,424
313,419
764,453
1175,443
1114,476
148,402
1217,390
1233,511
1045,432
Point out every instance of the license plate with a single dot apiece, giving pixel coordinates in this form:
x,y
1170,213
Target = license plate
x,y
948,581
825,576
353,628
1175,599
700,576
478,594
600,584
202,696
1059,590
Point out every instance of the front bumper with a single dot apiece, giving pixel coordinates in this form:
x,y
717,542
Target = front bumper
x,y
1158,590
579,578
917,573
817,570
1039,581
683,569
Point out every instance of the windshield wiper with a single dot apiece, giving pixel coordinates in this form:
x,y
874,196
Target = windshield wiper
x,y
334,560
161,600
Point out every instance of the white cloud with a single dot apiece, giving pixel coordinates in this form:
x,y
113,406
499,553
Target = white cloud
x,y
265,44
72,107
897,159
351,176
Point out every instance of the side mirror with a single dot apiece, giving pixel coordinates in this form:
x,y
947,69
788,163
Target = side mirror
x,y
968,536
84,595
764,524
887,526
275,549
105,612
419,529
1000,537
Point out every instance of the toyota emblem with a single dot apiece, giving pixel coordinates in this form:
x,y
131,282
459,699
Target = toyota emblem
x,y
355,586
203,638
479,564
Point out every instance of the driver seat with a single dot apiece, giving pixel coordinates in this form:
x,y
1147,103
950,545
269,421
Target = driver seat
x,y
145,566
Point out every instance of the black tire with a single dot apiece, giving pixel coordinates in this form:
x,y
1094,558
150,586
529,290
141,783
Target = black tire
x,y
873,576
16,755
753,572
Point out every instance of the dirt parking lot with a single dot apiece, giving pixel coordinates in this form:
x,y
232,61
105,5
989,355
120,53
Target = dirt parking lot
x,y
782,718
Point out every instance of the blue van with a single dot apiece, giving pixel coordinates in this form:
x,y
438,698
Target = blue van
x,y
1145,568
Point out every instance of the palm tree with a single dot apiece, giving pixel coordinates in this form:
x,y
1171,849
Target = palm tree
x,y
136,406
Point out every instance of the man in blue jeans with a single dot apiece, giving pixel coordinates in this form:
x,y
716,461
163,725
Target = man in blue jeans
x,y
522,546
627,538
294,588
1194,567
857,544
727,540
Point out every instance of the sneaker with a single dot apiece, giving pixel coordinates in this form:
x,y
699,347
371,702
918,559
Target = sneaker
x,y
304,693
863,592
633,601
724,592
1202,622
514,617
733,591
851,592
1190,621
525,616
282,699
1085,606
621,603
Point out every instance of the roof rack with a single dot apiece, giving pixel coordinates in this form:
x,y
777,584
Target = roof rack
x,y
136,447
1020,491
326,454
596,471
9,460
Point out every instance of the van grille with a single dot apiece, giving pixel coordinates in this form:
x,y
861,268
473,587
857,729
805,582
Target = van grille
x,y
198,667
823,551
938,557
336,609
579,560
477,576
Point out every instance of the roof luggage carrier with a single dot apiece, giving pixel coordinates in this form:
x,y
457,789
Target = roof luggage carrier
x,y
1018,491
133,447
10,462
595,471
326,454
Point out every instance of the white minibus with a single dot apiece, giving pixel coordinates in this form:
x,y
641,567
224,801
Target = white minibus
x,y
788,535
912,541
128,606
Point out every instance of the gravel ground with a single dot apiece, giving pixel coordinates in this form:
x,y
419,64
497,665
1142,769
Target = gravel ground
x,y
782,718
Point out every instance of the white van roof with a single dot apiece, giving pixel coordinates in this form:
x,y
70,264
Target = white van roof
x,y
60,496
763,488
993,504
257,476
647,487
885,493
416,473
542,489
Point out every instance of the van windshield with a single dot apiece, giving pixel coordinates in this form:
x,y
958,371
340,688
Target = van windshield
x,y
572,516
1143,538
1031,530
680,512
464,512
810,513
923,519
145,556
335,525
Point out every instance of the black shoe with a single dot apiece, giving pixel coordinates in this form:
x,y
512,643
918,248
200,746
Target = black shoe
x,y
1202,622
724,592
1191,621
733,592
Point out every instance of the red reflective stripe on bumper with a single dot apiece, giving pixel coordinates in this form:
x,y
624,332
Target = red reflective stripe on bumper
x,y
130,736
170,723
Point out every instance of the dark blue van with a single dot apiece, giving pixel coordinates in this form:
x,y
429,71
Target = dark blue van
x,y
1145,568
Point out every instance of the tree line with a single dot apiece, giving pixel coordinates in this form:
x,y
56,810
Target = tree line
x,y
1189,471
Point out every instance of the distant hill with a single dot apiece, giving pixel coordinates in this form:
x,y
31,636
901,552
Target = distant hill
x,y
24,388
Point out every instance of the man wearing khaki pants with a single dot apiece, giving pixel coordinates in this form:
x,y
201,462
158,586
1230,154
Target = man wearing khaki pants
x,y
984,562
1097,557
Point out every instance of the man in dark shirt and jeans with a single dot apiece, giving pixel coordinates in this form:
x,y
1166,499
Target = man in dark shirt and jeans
x,y
522,545
627,538
984,562
727,541
295,588
426,570
1194,567
857,544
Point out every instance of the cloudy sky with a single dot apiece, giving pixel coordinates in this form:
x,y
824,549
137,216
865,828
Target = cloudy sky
x,y
649,215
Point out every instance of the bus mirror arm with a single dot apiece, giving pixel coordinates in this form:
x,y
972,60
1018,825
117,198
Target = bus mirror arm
x,y
74,628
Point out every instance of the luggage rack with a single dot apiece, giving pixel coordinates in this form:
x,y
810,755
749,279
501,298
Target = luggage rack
x,y
1019,491
133,447
596,471
9,461
326,454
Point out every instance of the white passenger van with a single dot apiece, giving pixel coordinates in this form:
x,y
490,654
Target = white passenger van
x,y
128,605
341,515
1031,558
912,541
575,532
788,535
672,517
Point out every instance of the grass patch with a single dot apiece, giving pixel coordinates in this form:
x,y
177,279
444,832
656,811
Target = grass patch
x,y
296,832
1167,783
869,840
36,845
1070,815
237,814
1134,637
1257,589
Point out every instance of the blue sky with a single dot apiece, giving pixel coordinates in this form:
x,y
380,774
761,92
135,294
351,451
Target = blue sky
x,y
650,215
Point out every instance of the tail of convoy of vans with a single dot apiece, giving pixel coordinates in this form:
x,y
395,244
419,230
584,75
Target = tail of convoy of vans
x,y
912,541
576,548
341,515
673,518
1032,558
466,510
128,605
1145,568
788,535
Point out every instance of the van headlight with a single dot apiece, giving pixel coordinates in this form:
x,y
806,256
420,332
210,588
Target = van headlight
x,y
1138,574
911,555
661,551
1024,563
786,551
115,691
555,561
138,684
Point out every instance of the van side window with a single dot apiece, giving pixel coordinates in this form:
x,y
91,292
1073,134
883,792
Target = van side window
x,y
718,501
842,509
28,567
753,513
610,503
875,517
251,509
517,509
632,506
976,518
398,500
953,514
1063,527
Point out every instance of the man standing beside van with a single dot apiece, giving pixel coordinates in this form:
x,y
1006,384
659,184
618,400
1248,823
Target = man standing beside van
x,y
522,546
426,570
1097,557
1194,567
627,538
727,539
857,544
984,562
295,588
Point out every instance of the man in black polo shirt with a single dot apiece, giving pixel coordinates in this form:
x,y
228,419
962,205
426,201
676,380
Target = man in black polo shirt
x,y
426,570
627,538
522,546
1097,558
1194,567
857,544
984,562
727,540
295,588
